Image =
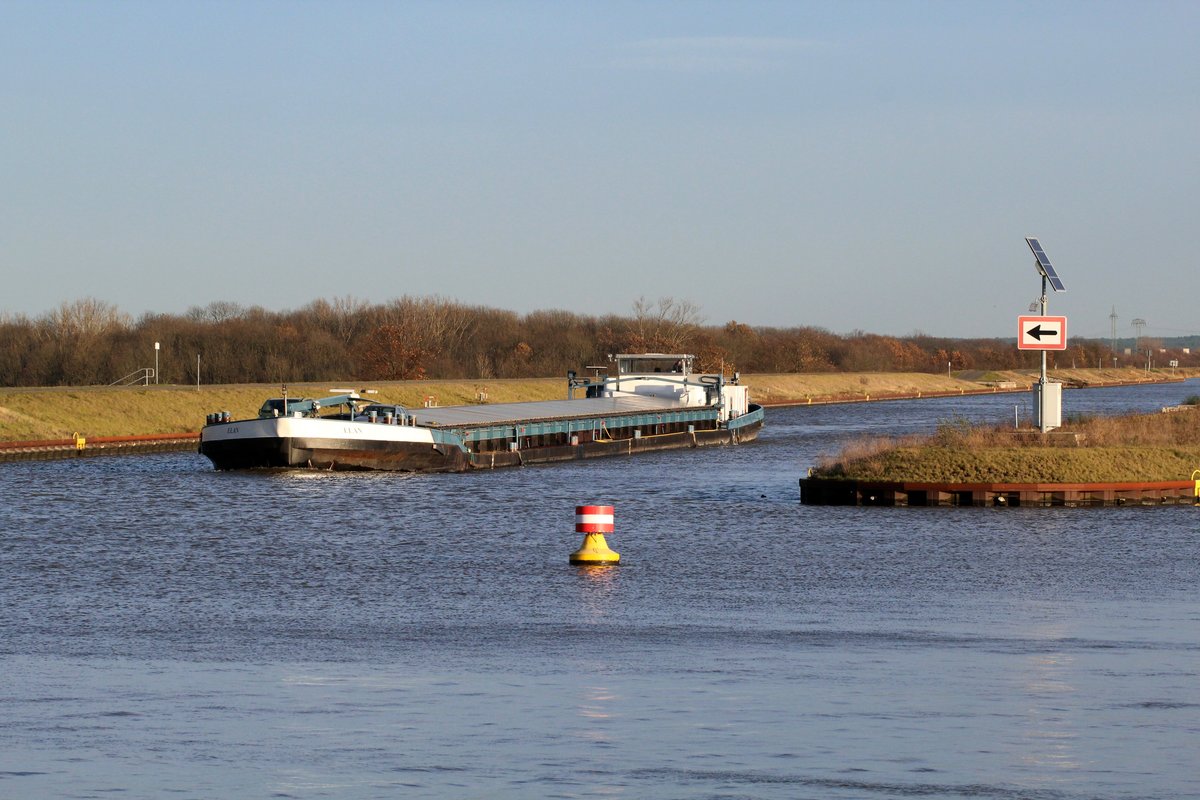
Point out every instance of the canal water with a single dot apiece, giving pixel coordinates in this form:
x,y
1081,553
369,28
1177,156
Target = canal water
x,y
170,631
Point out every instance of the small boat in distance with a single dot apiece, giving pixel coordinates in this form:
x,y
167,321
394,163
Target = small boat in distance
x,y
653,402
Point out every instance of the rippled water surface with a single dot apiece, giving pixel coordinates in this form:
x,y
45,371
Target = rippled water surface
x,y
168,630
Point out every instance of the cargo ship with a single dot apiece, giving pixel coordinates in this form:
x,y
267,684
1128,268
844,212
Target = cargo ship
x,y
649,402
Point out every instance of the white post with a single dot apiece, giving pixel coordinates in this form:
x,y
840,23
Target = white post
x,y
156,363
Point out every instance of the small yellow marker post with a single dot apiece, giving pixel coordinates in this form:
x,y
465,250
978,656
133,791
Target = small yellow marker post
x,y
593,522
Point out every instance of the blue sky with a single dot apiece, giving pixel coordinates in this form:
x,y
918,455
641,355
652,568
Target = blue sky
x,y
849,165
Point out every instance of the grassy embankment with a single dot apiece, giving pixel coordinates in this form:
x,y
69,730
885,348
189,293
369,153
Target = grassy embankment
x,y
836,386
55,413
1133,448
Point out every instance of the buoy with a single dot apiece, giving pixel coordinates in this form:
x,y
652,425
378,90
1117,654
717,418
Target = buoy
x,y
593,522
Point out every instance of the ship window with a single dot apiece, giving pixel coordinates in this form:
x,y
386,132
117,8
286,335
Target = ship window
x,y
644,366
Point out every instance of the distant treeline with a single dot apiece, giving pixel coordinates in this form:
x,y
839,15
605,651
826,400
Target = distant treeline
x,y
90,342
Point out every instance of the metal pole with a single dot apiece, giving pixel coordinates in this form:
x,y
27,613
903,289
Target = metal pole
x,y
156,363
1042,394
197,372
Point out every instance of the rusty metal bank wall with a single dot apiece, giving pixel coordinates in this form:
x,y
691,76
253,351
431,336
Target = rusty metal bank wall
x,y
837,492
88,447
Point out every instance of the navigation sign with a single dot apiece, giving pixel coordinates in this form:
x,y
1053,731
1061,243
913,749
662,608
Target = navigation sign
x,y
1041,333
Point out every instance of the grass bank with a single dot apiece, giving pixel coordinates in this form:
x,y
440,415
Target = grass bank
x,y
851,386
55,413
1141,447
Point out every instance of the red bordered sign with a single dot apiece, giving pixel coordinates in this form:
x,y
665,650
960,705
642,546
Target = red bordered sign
x,y
1041,333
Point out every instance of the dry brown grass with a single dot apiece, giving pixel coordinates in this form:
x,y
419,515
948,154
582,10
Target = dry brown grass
x,y
824,386
1136,447
827,386
125,411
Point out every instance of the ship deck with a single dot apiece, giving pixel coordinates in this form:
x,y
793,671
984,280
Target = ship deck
x,y
484,416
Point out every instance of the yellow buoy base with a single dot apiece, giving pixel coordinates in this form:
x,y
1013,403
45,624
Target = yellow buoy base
x,y
595,551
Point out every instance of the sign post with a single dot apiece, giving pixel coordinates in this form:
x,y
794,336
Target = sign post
x,y
1044,333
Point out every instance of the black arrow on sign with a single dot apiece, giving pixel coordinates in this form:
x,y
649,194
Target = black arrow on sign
x,y
1037,332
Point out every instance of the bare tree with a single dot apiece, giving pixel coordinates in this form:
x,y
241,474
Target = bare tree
x,y
343,317
88,317
667,326
395,351
217,311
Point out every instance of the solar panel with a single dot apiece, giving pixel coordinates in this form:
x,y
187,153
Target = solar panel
x,y
1043,264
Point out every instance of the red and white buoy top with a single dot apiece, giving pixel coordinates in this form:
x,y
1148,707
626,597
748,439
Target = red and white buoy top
x,y
593,519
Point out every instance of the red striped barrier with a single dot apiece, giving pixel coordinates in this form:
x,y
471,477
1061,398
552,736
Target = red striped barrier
x,y
593,519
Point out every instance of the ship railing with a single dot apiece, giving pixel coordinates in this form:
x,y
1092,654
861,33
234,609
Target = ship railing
x,y
706,380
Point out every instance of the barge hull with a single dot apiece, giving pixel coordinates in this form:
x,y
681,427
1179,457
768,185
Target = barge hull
x,y
333,454
365,454
655,402
614,447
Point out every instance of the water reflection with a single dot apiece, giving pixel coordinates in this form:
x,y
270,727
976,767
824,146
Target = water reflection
x,y
1048,684
597,590
595,706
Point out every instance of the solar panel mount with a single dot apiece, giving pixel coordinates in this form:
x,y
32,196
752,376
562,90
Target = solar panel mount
x,y
1044,267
